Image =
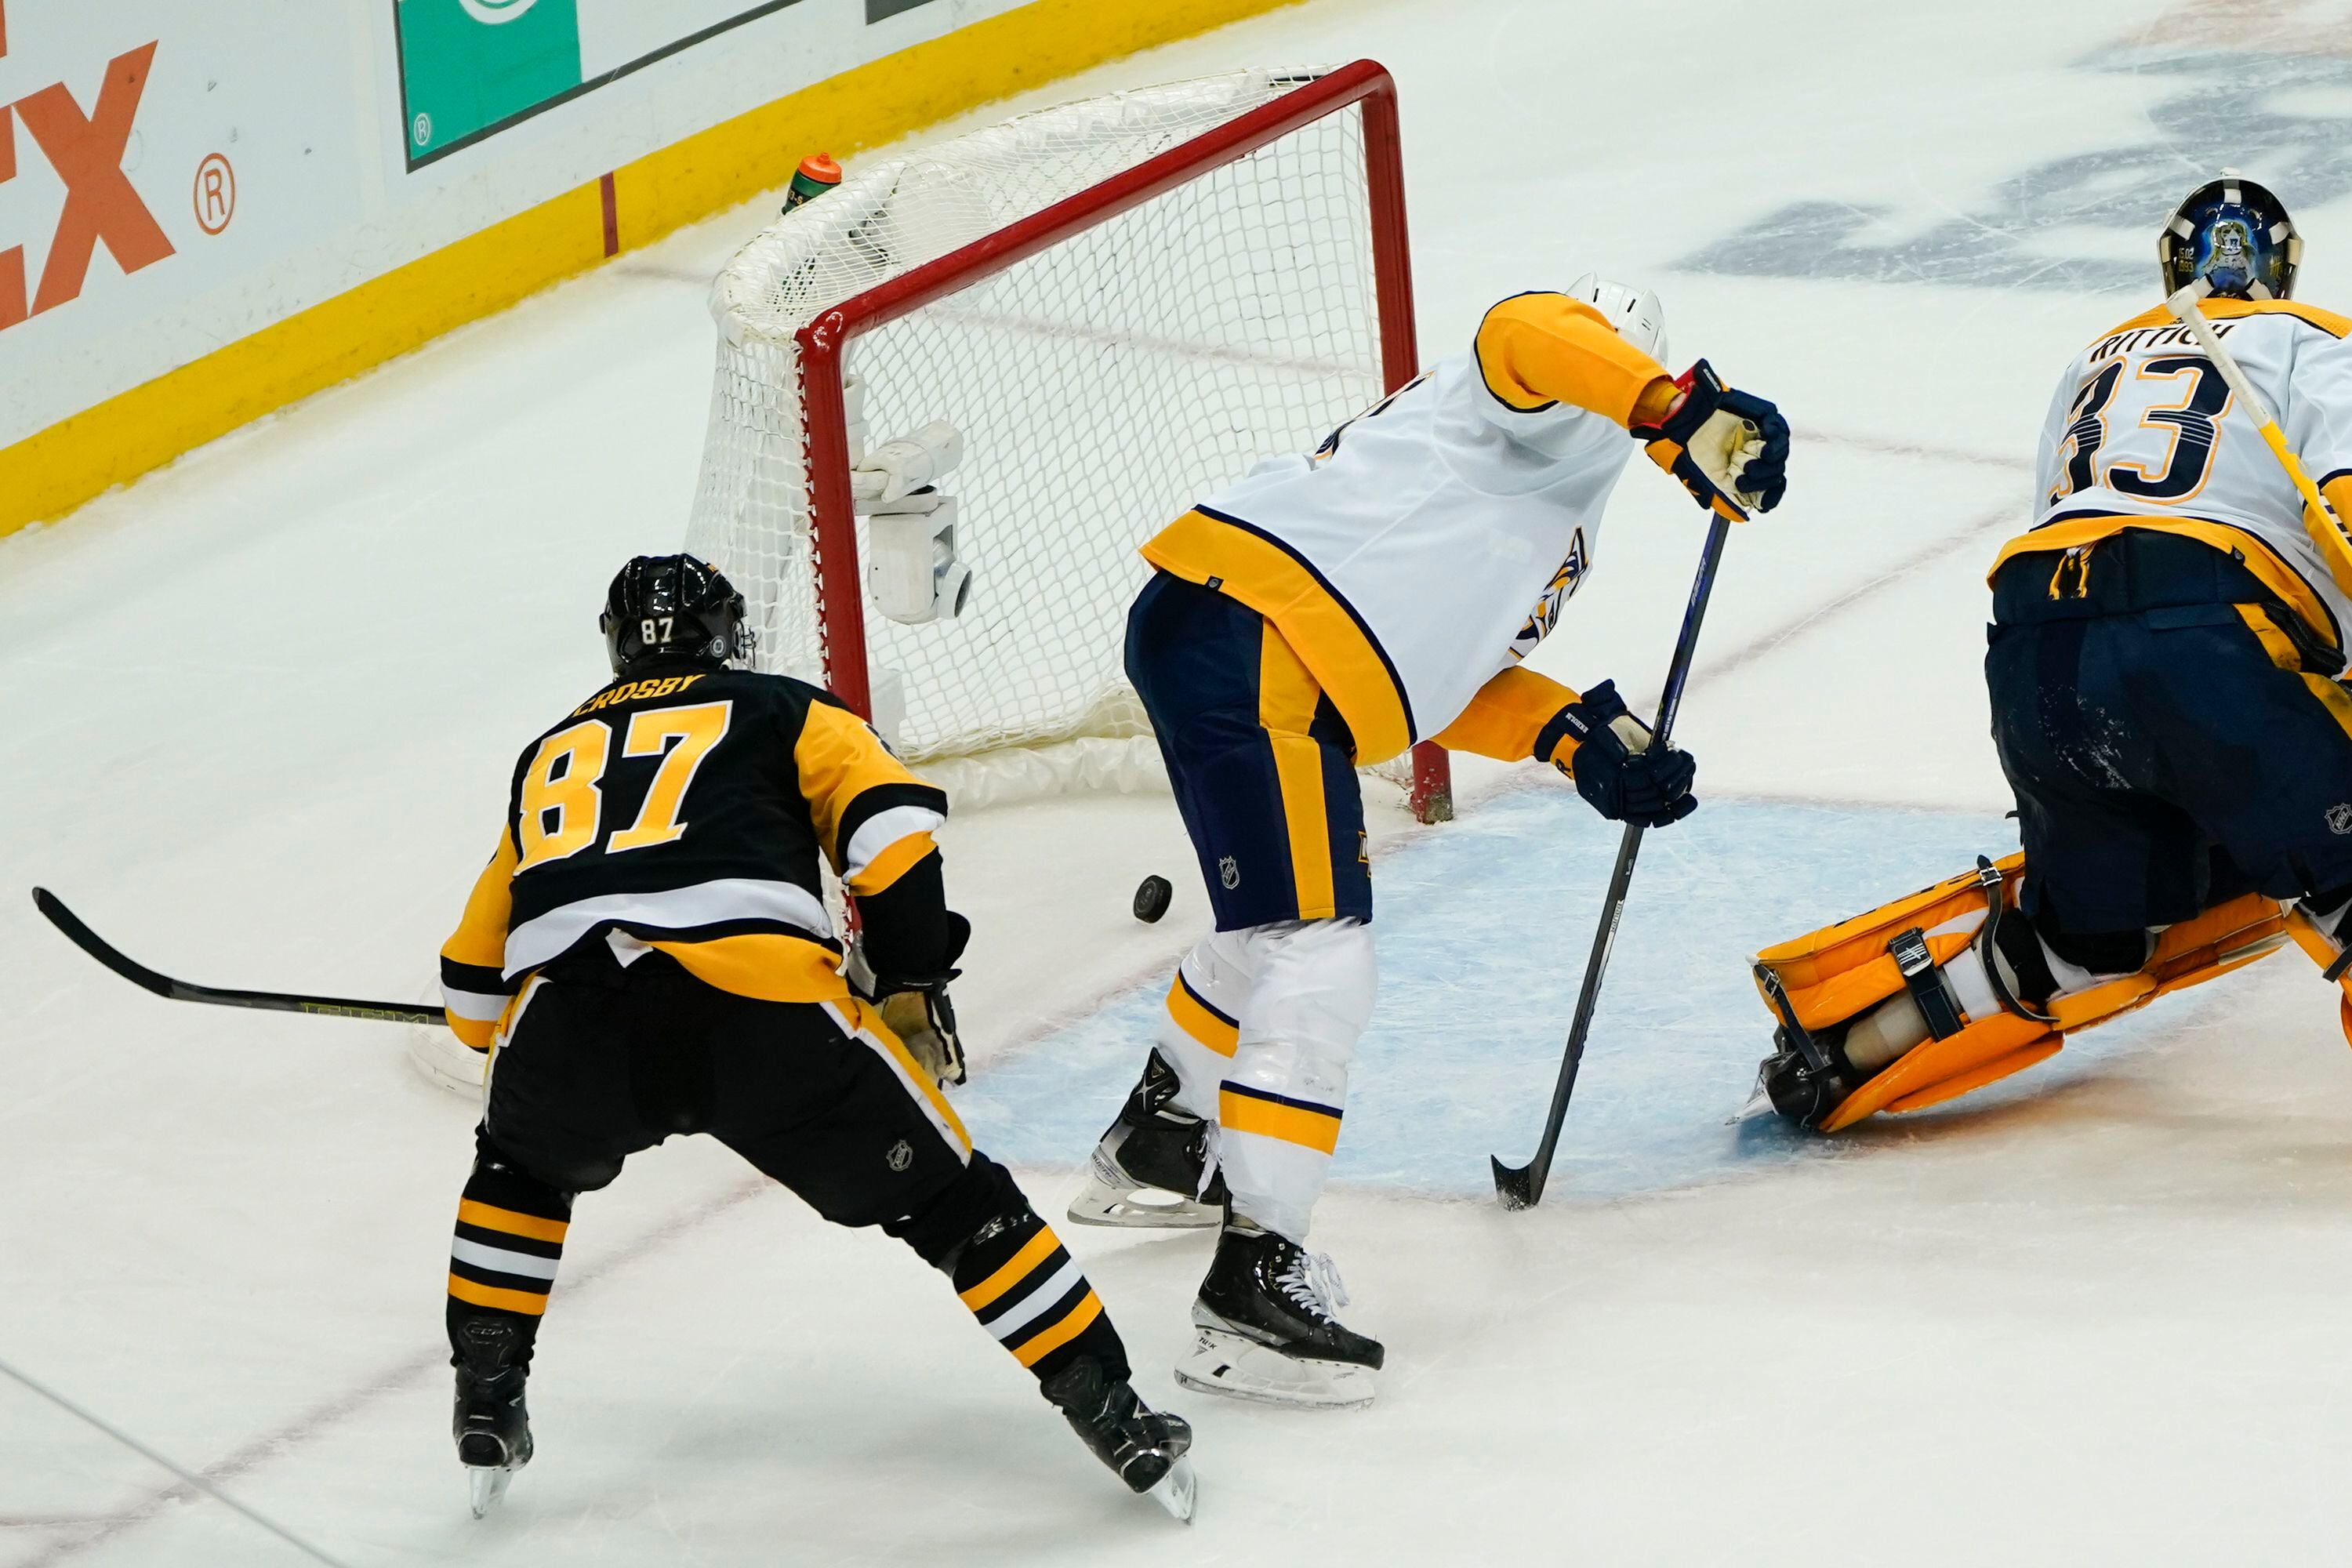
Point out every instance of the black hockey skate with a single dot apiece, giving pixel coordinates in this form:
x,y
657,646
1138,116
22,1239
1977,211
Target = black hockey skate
x,y
1154,1148
1264,1328
491,1425
1144,1447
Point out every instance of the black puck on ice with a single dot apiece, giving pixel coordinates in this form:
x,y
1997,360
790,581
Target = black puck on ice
x,y
1151,898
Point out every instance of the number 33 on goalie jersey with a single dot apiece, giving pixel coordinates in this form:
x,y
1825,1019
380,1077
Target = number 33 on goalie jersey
x,y
683,810
2143,431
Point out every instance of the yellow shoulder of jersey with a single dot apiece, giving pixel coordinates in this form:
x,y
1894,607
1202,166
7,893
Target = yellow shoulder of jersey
x,y
1537,350
2327,321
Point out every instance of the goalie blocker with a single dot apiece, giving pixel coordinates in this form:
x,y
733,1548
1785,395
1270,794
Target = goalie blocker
x,y
1941,992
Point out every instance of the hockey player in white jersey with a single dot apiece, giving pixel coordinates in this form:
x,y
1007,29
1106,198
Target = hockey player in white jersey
x,y
1326,612
2163,668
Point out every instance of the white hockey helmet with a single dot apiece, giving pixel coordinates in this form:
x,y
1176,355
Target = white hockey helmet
x,y
1635,312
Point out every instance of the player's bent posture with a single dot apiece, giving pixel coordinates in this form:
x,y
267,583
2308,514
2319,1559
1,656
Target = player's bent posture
x,y
2164,653
1326,612
651,946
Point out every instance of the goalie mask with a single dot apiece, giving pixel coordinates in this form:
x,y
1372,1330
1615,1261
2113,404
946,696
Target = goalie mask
x,y
675,605
2236,236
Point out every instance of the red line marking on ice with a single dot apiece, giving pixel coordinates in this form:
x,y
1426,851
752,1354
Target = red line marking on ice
x,y
276,1442
2003,517
340,1407
611,214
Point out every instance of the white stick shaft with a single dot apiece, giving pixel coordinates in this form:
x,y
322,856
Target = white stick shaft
x,y
2183,306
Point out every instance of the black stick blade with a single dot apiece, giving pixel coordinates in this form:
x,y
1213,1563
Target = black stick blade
x,y
54,909
1515,1184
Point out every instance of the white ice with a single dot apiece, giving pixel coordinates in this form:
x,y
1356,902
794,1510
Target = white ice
x,y
260,710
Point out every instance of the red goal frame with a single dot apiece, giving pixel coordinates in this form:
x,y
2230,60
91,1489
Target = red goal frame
x,y
841,605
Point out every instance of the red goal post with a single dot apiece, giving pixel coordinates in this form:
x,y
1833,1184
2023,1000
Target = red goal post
x,y
826,341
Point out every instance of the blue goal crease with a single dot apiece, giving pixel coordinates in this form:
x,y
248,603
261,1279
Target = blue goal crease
x,y
1484,926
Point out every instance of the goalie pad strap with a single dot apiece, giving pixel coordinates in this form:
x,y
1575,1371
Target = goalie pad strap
x,y
1826,981
1924,980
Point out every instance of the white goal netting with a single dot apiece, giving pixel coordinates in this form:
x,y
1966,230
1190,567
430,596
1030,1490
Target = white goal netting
x,y
1100,386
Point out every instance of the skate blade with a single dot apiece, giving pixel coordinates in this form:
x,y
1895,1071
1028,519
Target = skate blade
x,y
1115,1204
489,1484
1759,1104
1238,1368
1177,1491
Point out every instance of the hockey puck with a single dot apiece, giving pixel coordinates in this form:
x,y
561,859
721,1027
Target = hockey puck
x,y
1152,898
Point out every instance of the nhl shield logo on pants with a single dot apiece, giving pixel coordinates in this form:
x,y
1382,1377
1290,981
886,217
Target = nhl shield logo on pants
x,y
1229,870
2339,820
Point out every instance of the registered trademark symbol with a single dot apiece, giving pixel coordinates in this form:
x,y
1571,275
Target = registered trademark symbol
x,y
215,196
421,128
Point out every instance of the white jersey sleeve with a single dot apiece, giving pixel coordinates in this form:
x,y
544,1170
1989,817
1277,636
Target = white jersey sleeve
x,y
2316,417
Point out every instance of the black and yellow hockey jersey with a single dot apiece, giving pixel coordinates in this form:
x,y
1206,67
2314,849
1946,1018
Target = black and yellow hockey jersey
x,y
683,810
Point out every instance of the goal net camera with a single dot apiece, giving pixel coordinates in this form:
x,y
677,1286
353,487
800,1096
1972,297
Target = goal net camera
x,y
957,391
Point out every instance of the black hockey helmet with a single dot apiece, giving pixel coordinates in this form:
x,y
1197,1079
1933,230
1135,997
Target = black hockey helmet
x,y
675,604
2236,235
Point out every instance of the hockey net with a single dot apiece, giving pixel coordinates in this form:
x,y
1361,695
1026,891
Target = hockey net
x,y
1120,305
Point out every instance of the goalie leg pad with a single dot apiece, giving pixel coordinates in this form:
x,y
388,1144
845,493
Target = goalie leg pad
x,y
1939,968
1901,1007
2322,934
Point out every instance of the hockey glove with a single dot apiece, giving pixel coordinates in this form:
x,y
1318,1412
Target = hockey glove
x,y
1607,751
1730,449
923,1018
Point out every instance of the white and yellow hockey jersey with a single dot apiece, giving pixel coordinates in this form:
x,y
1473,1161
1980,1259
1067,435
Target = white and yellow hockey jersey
x,y
1423,550
2144,433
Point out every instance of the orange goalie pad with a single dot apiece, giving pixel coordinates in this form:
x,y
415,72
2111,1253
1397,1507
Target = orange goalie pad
x,y
2323,952
1837,972
1834,976
1939,1070
2226,937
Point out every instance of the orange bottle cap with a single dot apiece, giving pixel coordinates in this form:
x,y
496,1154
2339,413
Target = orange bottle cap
x,y
821,167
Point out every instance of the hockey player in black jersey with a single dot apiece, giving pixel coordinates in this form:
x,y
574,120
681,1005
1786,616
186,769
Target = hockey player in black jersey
x,y
648,953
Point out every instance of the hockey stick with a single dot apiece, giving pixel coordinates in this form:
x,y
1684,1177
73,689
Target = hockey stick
x,y
1522,1187
2319,519
139,974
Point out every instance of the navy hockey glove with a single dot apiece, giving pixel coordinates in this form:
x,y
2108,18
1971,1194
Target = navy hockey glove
x,y
1730,449
1618,772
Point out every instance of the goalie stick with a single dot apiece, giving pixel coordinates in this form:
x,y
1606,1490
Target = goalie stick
x,y
1521,1187
2326,530
54,909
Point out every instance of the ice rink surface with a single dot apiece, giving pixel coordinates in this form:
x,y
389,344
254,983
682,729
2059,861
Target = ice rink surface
x,y
261,707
